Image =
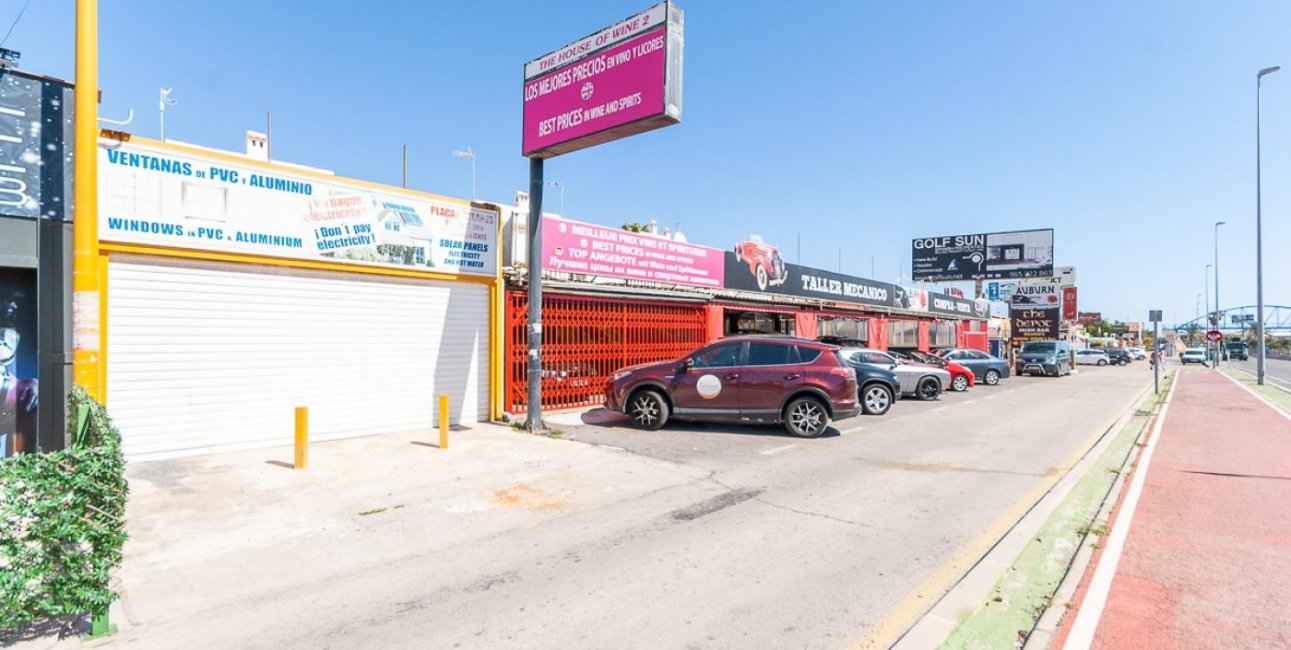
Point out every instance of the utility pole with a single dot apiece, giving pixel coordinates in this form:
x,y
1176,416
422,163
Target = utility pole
x,y
534,422
87,368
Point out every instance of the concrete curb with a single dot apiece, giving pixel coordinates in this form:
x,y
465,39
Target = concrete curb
x,y
936,625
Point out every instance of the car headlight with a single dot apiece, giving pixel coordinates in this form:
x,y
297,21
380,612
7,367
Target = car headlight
x,y
620,374
1051,360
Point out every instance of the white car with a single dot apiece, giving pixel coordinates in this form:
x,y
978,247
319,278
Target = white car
x,y
1193,355
1091,357
1138,353
917,379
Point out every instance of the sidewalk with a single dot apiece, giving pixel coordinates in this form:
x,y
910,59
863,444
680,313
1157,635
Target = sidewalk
x,y
1199,551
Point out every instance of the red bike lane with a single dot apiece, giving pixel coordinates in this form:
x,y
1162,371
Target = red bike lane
x,y
1201,548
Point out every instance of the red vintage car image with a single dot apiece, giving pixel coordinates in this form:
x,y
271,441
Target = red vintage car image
x,y
764,261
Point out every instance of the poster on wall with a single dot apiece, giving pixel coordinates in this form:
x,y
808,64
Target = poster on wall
x,y
18,361
36,132
577,247
159,197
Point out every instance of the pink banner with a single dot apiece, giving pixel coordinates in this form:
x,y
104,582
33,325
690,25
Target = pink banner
x,y
576,247
623,84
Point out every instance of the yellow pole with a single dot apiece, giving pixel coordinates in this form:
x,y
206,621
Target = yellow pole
x,y
87,368
302,437
443,420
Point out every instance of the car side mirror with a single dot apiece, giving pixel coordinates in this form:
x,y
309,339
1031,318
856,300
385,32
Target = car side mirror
x,y
686,365
892,367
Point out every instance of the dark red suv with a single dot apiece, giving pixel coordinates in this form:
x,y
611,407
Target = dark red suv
x,y
765,379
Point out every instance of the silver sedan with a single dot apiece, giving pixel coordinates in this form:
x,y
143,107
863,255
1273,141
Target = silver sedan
x,y
919,380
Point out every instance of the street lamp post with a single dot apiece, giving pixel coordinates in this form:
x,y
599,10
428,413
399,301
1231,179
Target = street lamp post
x,y
1206,306
1219,315
469,153
1259,243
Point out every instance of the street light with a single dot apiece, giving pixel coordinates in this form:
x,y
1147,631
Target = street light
x,y
1259,243
560,187
1218,314
458,153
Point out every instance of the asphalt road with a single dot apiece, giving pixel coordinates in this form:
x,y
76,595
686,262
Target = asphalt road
x,y
1277,371
708,537
786,542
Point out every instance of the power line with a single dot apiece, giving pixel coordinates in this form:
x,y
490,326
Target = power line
x,y
15,22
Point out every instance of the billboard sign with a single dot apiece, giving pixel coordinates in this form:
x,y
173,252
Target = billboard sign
x,y
620,81
576,247
1034,323
1088,317
36,137
989,256
1047,295
1241,319
1001,290
157,196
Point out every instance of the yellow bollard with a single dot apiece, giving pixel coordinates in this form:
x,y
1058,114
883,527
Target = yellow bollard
x,y
443,421
302,436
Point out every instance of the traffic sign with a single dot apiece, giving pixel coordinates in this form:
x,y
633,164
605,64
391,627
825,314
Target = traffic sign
x,y
1214,336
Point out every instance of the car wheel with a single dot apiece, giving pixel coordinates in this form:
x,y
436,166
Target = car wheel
x,y
929,388
1102,362
876,399
959,383
992,377
805,417
648,410
761,275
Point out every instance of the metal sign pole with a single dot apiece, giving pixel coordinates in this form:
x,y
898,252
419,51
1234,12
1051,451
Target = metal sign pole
x,y
1160,358
534,422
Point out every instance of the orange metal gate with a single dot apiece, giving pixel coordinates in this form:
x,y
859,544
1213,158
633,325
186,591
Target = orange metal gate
x,y
585,339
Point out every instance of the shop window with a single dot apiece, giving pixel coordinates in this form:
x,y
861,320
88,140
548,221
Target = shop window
x,y
941,334
857,329
757,322
903,334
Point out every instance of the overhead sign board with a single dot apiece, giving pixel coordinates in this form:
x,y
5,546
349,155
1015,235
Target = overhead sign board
x,y
1047,295
36,141
620,81
989,256
160,196
576,247
1034,322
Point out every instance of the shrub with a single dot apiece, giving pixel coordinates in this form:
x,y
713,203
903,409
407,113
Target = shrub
x,y
62,521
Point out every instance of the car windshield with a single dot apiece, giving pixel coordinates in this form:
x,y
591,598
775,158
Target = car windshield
x,y
1032,348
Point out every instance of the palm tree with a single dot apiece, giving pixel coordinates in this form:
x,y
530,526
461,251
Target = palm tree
x,y
1193,332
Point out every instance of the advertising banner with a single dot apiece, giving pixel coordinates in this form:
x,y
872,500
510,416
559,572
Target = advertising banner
x,y
1046,295
757,266
18,361
958,307
36,136
1034,323
155,196
1069,303
1001,255
623,80
1088,317
576,247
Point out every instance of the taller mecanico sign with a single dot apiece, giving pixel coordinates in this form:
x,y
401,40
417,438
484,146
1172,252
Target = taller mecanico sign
x,y
620,81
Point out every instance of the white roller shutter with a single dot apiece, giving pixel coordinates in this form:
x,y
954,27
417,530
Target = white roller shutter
x,y
206,357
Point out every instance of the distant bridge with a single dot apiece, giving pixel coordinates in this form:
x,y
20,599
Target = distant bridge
x,y
1277,320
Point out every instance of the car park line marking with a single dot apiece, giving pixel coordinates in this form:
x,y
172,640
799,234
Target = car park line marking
x,y
772,452
968,401
939,408
919,601
1100,586
1277,409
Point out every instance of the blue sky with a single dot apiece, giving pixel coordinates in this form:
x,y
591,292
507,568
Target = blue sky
x,y
1128,127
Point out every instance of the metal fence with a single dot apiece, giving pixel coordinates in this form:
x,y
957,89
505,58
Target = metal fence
x,y
585,339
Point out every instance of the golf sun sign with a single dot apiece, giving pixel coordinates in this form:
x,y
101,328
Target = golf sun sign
x,y
620,81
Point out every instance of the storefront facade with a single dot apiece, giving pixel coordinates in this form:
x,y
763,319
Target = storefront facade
x,y
238,289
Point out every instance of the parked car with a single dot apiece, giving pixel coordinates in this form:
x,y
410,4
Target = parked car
x,y
986,368
1138,354
878,388
764,261
961,378
758,379
1118,357
1092,357
922,381
1051,358
1193,355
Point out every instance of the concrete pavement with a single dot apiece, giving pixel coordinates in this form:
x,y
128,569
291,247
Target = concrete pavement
x,y
1200,548
693,536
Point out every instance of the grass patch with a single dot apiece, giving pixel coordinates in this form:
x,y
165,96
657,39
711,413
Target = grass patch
x,y
1271,393
1027,589
374,511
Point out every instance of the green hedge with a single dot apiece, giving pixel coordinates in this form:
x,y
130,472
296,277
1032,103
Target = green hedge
x,y
62,521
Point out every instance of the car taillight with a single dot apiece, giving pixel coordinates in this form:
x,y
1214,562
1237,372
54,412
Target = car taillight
x,y
846,371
